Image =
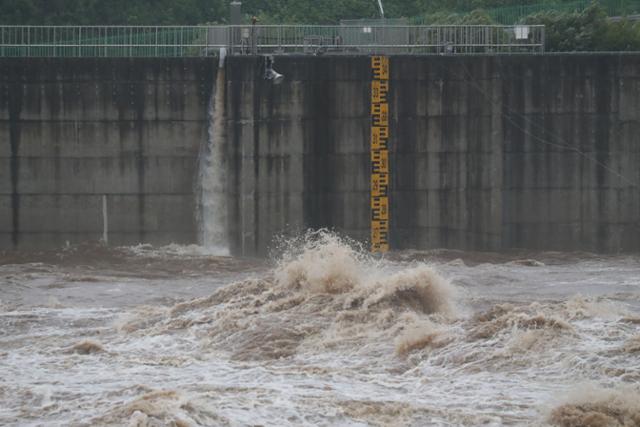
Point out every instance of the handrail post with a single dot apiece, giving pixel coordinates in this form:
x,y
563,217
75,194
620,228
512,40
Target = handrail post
x,y
228,39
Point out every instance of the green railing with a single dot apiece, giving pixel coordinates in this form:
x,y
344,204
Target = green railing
x,y
47,41
116,41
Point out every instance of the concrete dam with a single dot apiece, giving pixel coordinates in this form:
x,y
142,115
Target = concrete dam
x,y
485,152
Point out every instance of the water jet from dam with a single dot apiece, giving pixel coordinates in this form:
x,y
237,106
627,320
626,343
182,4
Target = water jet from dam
x,y
212,219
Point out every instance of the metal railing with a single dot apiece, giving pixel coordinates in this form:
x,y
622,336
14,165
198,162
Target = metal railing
x,y
116,41
166,41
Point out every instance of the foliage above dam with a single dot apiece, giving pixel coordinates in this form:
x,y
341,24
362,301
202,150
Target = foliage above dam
x,y
575,25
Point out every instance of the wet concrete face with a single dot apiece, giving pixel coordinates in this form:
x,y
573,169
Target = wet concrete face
x,y
15,97
78,129
486,152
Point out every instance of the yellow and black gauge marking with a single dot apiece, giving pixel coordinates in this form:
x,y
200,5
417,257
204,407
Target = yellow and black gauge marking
x,y
380,67
380,208
379,184
379,90
379,236
380,114
380,161
379,154
379,137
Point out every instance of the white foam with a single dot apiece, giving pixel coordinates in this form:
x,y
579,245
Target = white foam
x,y
337,338
175,250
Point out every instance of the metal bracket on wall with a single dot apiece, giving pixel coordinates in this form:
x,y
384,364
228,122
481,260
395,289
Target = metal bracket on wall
x,y
379,154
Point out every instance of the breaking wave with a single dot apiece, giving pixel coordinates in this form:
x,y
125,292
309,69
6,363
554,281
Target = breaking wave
x,y
86,347
326,334
160,408
507,317
593,406
324,293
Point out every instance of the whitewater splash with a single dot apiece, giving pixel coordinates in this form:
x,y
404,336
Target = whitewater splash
x,y
212,215
593,406
326,335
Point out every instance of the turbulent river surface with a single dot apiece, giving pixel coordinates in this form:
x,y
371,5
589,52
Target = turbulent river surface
x,y
323,334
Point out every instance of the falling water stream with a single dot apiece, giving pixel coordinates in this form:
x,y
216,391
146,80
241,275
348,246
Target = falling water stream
x,y
212,216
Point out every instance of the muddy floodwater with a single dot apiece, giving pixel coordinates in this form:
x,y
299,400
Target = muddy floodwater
x,y
323,334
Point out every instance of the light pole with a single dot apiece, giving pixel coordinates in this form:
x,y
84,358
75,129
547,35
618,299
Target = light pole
x,y
381,9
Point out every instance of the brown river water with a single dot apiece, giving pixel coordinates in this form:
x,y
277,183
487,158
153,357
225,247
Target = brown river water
x,y
323,334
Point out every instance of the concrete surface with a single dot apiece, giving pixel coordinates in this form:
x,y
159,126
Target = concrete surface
x,y
487,152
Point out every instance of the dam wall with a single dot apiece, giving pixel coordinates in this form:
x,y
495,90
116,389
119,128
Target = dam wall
x,y
486,152
75,130
497,152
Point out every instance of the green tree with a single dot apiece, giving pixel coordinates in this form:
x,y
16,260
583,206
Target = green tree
x,y
569,32
475,17
310,11
112,12
589,30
